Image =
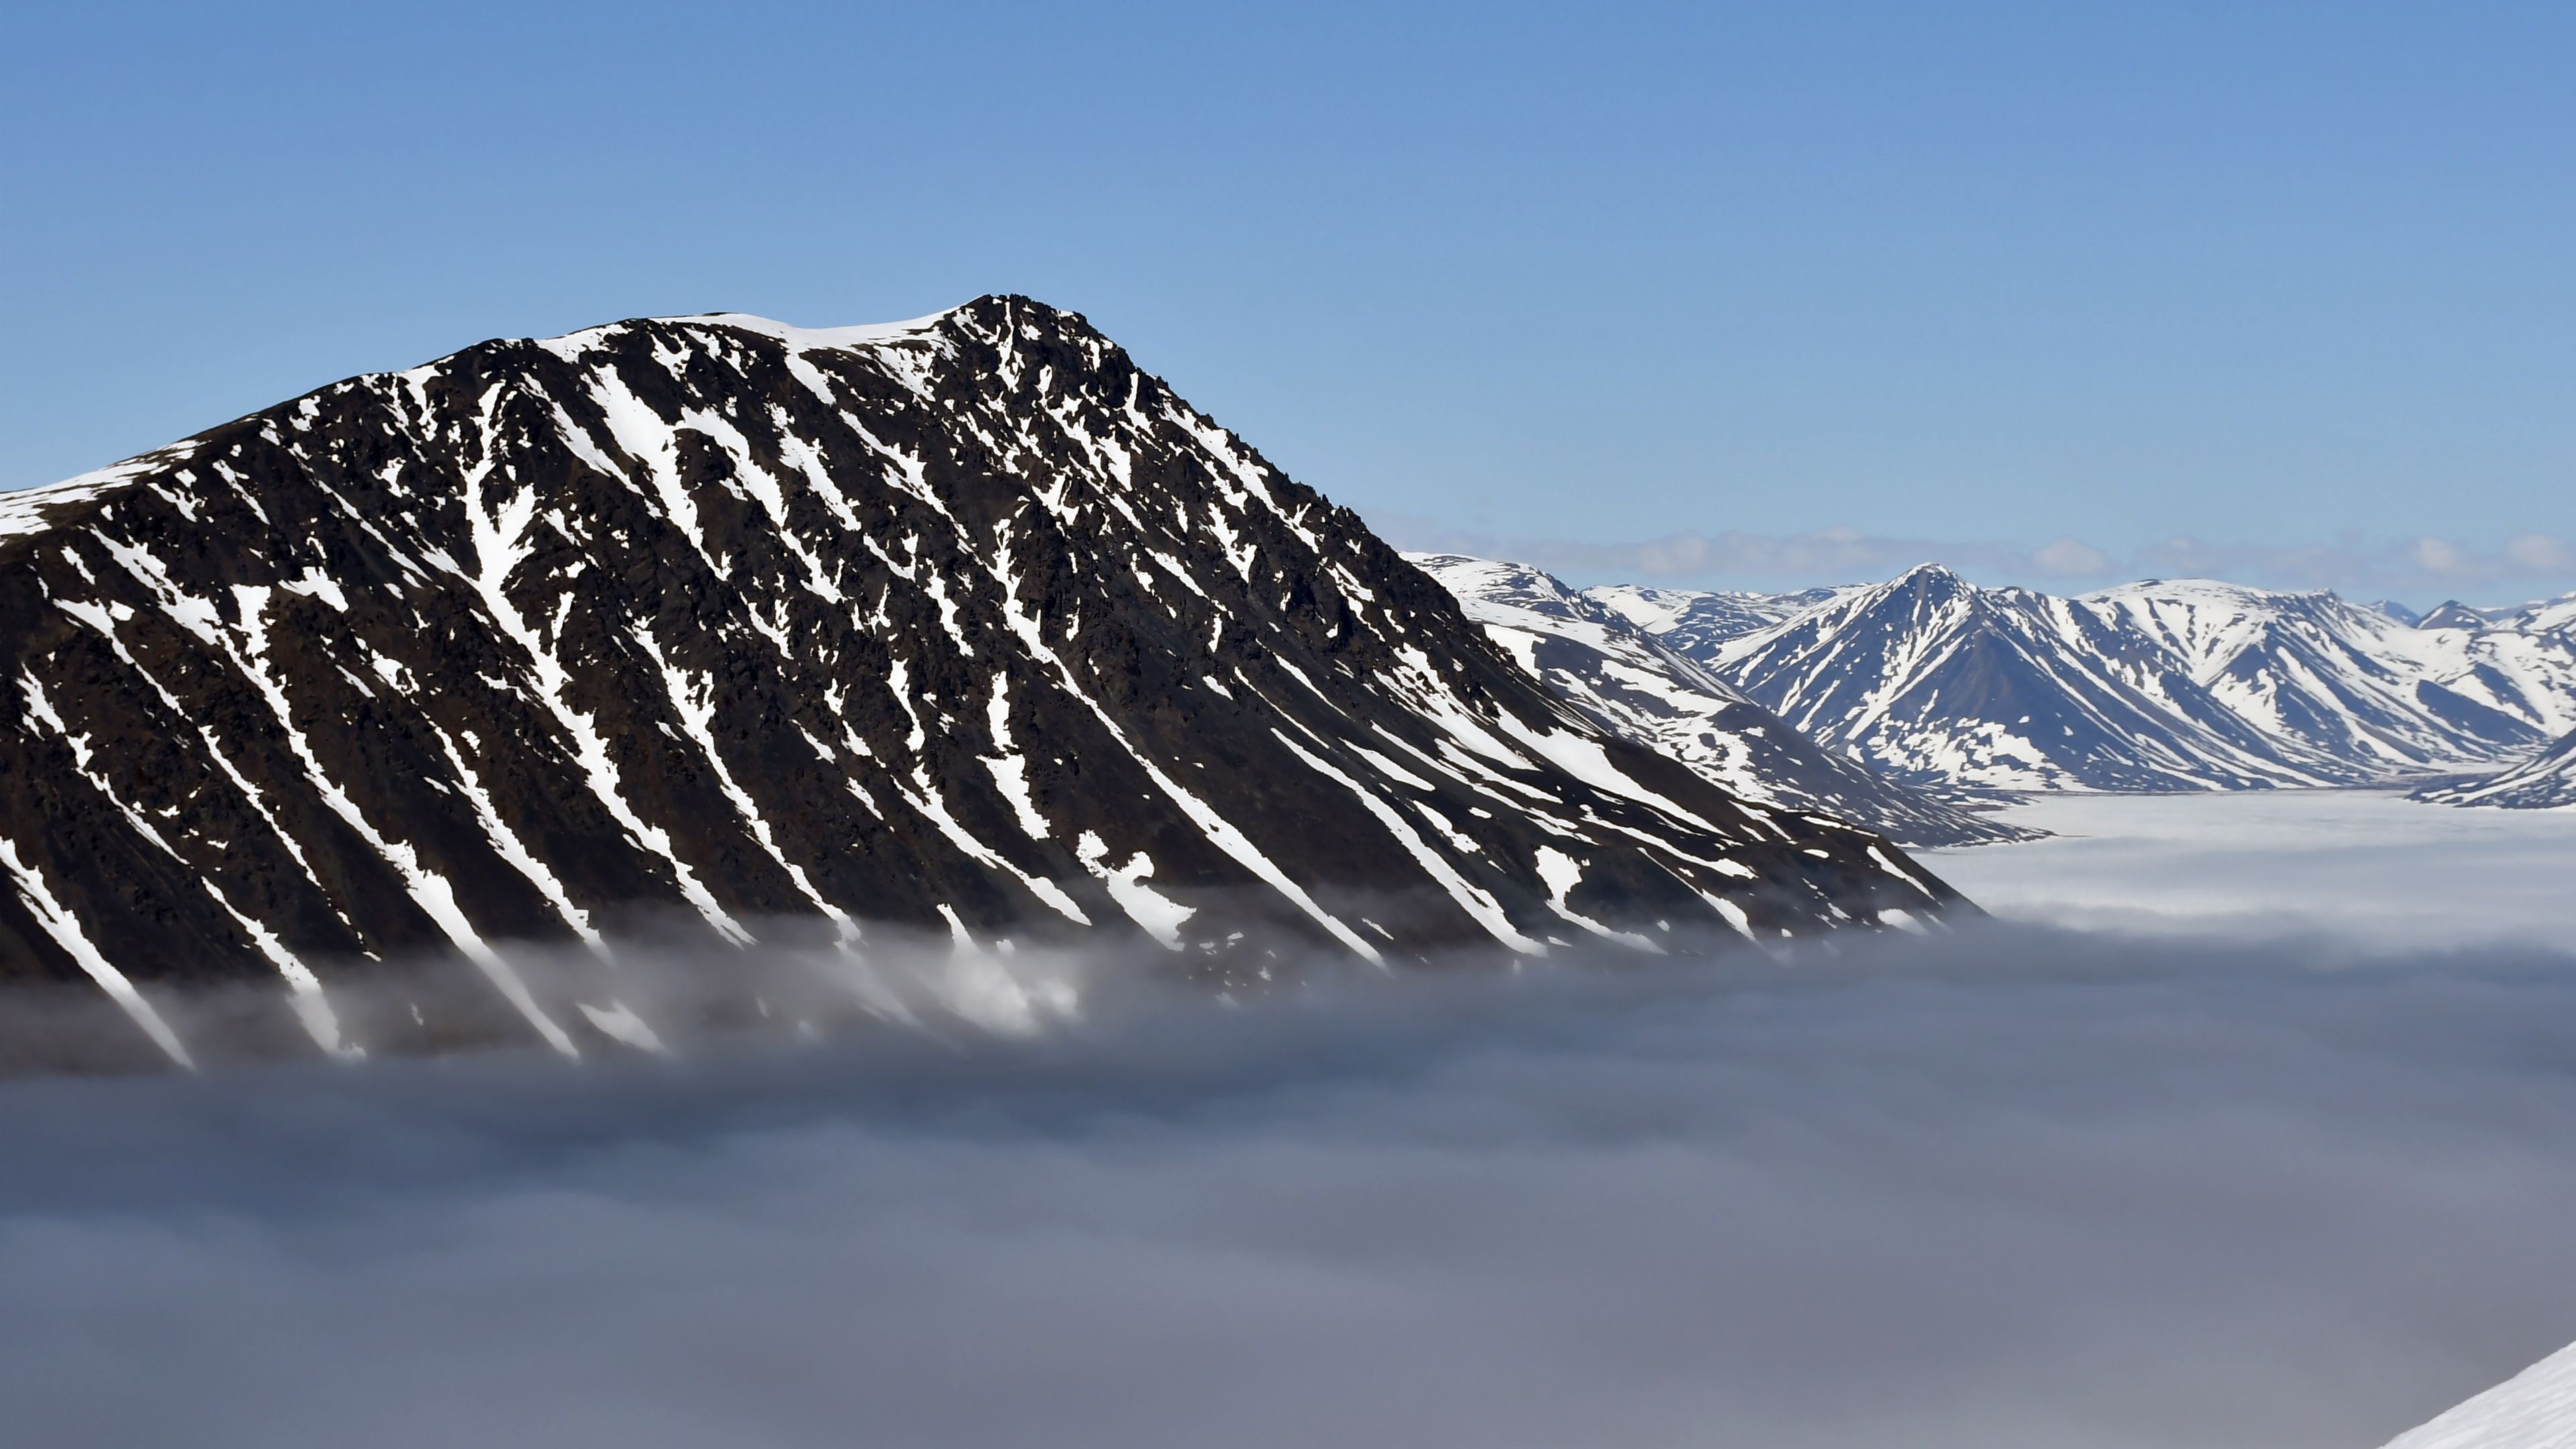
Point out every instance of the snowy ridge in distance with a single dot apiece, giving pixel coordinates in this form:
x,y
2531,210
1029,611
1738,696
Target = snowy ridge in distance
x,y
2161,685
1694,622
1591,654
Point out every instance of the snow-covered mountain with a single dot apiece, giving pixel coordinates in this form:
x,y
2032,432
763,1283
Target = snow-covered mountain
x,y
2546,781
1592,655
2164,685
2535,1409
684,626
1695,622
2539,618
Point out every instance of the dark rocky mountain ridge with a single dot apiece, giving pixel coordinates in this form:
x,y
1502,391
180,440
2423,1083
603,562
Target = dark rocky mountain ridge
x,y
683,626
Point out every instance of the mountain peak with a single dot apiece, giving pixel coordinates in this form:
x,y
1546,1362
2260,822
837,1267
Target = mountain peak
x,y
2452,614
964,626
1926,583
1930,580
1003,318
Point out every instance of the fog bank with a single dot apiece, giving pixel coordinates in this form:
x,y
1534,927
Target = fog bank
x,y
2371,867
2016,1187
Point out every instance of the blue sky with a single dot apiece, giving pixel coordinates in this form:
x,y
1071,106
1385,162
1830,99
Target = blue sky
x,y
1748,296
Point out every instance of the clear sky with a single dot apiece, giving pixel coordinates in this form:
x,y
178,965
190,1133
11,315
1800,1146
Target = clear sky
x,y
1737,295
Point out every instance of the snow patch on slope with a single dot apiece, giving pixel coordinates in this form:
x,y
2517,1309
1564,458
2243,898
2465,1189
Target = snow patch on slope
x,y
2535,1409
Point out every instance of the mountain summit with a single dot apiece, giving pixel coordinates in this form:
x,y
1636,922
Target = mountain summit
x,y
692,625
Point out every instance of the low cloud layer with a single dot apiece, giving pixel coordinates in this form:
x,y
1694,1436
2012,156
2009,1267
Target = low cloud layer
x,y
2014,1187
2372,869
2422,568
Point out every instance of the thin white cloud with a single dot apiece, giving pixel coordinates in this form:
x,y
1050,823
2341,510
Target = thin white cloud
x,y
2541,553
2070,558
2421,567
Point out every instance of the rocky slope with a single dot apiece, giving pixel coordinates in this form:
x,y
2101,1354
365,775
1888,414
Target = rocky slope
x,y
2546,781
712,629
1596,658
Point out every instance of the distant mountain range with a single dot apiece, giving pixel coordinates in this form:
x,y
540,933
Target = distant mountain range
x,y
2155,686
703,628
1640,685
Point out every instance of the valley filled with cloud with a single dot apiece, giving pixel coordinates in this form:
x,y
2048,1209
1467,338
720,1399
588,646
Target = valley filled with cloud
x,y
2225,1179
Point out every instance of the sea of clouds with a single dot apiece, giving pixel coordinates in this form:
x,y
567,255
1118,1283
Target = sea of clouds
x,y
2018,1185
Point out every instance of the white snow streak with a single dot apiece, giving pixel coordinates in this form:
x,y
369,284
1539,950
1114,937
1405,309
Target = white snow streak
x,y
1471,898
65,929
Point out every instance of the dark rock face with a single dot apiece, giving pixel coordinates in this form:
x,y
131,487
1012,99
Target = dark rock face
x,y
1596,658
686,626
